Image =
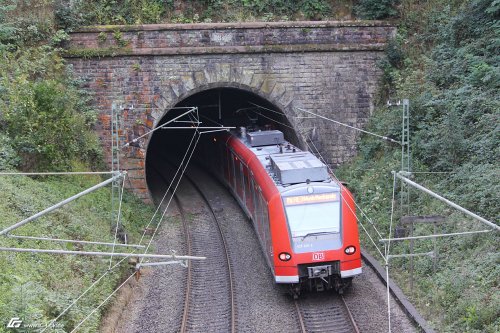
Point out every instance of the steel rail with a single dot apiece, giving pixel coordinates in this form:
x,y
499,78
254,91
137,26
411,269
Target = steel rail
x,y
318,321
226,251
351,317
189,270
300,317
185,312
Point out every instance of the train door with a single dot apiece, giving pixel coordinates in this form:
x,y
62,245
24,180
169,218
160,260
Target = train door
x,y
256,209
248,190
231,177
238,178
266,231
222,165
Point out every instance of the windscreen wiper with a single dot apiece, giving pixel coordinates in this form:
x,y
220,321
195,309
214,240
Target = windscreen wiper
x,y
317,234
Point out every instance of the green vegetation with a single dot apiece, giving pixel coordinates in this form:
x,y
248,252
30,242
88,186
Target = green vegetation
x,y
445,60
46,123
104,12
37,287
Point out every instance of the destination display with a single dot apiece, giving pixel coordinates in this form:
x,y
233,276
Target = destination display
x,y
311,198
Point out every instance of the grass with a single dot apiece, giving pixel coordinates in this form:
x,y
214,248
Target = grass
x,y
37,287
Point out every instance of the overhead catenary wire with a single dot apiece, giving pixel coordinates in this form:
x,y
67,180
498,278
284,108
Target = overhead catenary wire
x,y
168,189
317,150
350,196
51,322
116,265
131,254
102,303
351,127
173,192
192,109
331,171
160,220
350,208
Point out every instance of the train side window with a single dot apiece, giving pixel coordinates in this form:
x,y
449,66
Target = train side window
x,y
238,177
265,227
258,213
222,167
243,190
231,169
255,204
248,190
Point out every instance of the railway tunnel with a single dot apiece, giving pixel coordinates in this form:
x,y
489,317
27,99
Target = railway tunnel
x,y
227,106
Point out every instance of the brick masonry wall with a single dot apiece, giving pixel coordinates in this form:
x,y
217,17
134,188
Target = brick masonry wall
x,y
327,67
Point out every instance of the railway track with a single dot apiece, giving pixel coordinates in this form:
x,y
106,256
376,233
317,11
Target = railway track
x,y
209,303
317,313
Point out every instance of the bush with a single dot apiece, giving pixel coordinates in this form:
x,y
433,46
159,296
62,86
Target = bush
x,y
449,71
376,9
44,113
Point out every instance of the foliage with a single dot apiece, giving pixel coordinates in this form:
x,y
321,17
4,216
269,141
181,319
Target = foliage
x,y
445,60
189,11
120,11
37,287
43,111
376,9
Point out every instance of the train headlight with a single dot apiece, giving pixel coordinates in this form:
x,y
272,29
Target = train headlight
x,y
350,250
284,256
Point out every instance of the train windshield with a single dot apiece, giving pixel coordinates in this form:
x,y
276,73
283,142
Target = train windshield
x,y
314,220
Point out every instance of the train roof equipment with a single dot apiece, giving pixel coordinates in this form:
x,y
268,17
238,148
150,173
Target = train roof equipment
x,y
298,167
285,163
265,138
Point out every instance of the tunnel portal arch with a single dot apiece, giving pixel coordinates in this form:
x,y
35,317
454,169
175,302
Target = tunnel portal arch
x,y
220,103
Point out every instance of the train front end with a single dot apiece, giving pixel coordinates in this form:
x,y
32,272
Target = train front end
x,y
321,248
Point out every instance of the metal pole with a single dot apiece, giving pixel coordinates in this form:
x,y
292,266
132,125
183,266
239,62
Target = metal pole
x,y
388,293
448,202
183,263
384,240
157,128
74,241
410,255
200,127
55,173
213,131
60,204
103,254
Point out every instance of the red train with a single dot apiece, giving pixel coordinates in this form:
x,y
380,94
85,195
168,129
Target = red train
x,y
305,221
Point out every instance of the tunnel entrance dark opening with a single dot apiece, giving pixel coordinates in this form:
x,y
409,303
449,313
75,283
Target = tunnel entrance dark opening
x,y
216,107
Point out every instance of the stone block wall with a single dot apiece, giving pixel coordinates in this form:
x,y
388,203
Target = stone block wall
x,y
326,67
